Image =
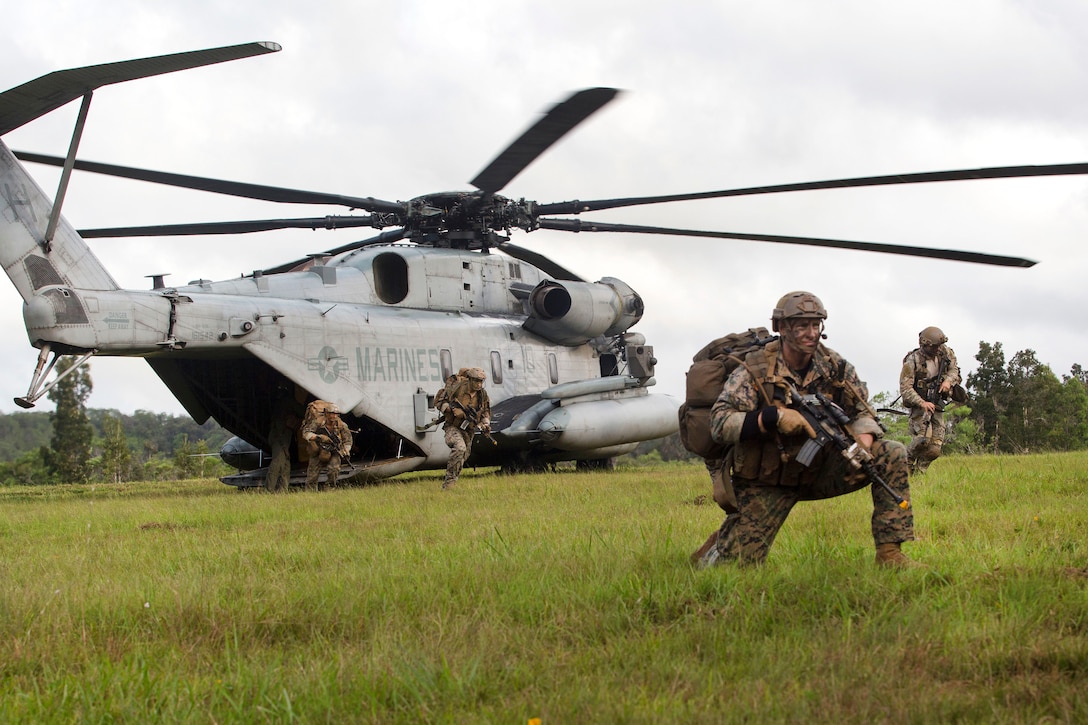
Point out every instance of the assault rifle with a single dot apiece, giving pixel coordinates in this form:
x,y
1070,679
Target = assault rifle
x,y
829,421
933,390
333,444
472,418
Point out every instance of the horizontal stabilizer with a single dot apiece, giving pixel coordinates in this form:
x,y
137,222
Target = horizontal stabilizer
x,y
38,97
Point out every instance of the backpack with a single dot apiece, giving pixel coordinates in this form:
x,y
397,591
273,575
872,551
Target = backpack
x,y
455,385
710,368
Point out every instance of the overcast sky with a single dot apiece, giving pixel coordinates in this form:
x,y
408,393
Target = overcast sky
x,y
396,99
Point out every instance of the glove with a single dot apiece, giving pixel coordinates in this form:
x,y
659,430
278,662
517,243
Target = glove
x,y
792,423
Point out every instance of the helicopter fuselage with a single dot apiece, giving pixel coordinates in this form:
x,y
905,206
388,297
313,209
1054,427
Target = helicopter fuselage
x,y
376,330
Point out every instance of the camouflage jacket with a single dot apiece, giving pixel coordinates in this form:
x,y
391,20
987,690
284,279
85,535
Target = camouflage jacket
x,y
765,375
919,372
460,390
318,423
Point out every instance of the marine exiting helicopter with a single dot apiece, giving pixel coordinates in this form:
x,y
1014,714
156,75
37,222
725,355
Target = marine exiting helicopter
x,y
377,325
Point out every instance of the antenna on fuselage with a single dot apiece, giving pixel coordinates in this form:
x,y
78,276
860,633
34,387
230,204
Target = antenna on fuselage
x,y
157,280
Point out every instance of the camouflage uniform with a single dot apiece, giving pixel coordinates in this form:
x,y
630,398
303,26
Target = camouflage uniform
x,y
457,430
321,431
918,374
767,479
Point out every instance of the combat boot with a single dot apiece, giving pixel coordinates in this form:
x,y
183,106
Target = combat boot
x,y
892,555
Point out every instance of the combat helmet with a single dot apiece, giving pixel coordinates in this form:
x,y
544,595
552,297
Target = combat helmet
x,y
932,336
331,408
797,304
475,374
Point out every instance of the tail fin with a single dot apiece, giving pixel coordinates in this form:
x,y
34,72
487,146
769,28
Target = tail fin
x,y
32,257
28,260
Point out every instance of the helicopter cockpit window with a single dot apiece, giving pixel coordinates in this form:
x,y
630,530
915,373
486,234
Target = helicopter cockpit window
x,y
496,367
445,359
390,277
553,368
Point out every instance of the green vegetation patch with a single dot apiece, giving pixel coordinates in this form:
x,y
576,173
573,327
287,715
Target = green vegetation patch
x,y
564,596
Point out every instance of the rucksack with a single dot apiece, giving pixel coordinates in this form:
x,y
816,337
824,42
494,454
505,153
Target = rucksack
x,y
710,368
452,388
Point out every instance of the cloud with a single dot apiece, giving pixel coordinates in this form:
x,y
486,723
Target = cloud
x,y
394,100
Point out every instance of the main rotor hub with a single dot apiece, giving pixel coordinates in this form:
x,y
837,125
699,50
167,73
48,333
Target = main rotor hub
x,y
464,219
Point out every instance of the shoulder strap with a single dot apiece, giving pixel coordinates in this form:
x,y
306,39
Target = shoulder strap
x,y
837,364
759,363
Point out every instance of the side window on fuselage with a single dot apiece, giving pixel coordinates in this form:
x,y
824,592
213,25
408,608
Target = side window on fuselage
x,y
445,359
553,368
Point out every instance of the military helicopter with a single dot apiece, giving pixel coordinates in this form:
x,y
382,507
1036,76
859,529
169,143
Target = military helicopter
x,y
375,326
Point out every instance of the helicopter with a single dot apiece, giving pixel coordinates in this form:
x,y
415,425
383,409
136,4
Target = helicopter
x,y
378,325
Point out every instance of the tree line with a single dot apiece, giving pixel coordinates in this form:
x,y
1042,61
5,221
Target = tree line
x,y
74,444
1015,406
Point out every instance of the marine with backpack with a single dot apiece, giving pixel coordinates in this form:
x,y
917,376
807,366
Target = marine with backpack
x,y
793,423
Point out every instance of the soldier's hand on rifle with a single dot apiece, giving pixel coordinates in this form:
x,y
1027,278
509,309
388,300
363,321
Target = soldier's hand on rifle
x,y
792,423
785,420
929,407
945,387
458,413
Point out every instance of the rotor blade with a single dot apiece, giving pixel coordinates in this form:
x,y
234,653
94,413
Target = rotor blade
x,y
996,172
35,98
553,126
219,186
393,235
577,225
236,227
545,265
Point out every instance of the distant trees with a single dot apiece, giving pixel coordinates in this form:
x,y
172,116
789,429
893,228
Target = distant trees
x,y
75,444
1015,406
116,456
69,453
1022,406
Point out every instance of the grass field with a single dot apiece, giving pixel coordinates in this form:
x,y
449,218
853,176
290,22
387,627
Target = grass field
x,y
566,597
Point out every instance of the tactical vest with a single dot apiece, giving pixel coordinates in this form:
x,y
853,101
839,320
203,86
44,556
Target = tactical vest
x,y
922,377
459,388
773,460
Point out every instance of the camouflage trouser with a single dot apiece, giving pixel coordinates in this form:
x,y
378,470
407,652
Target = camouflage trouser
x,y
460,443
925,446
322,461
746,536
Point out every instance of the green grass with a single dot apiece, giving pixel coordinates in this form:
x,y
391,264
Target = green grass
x,y
566,597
